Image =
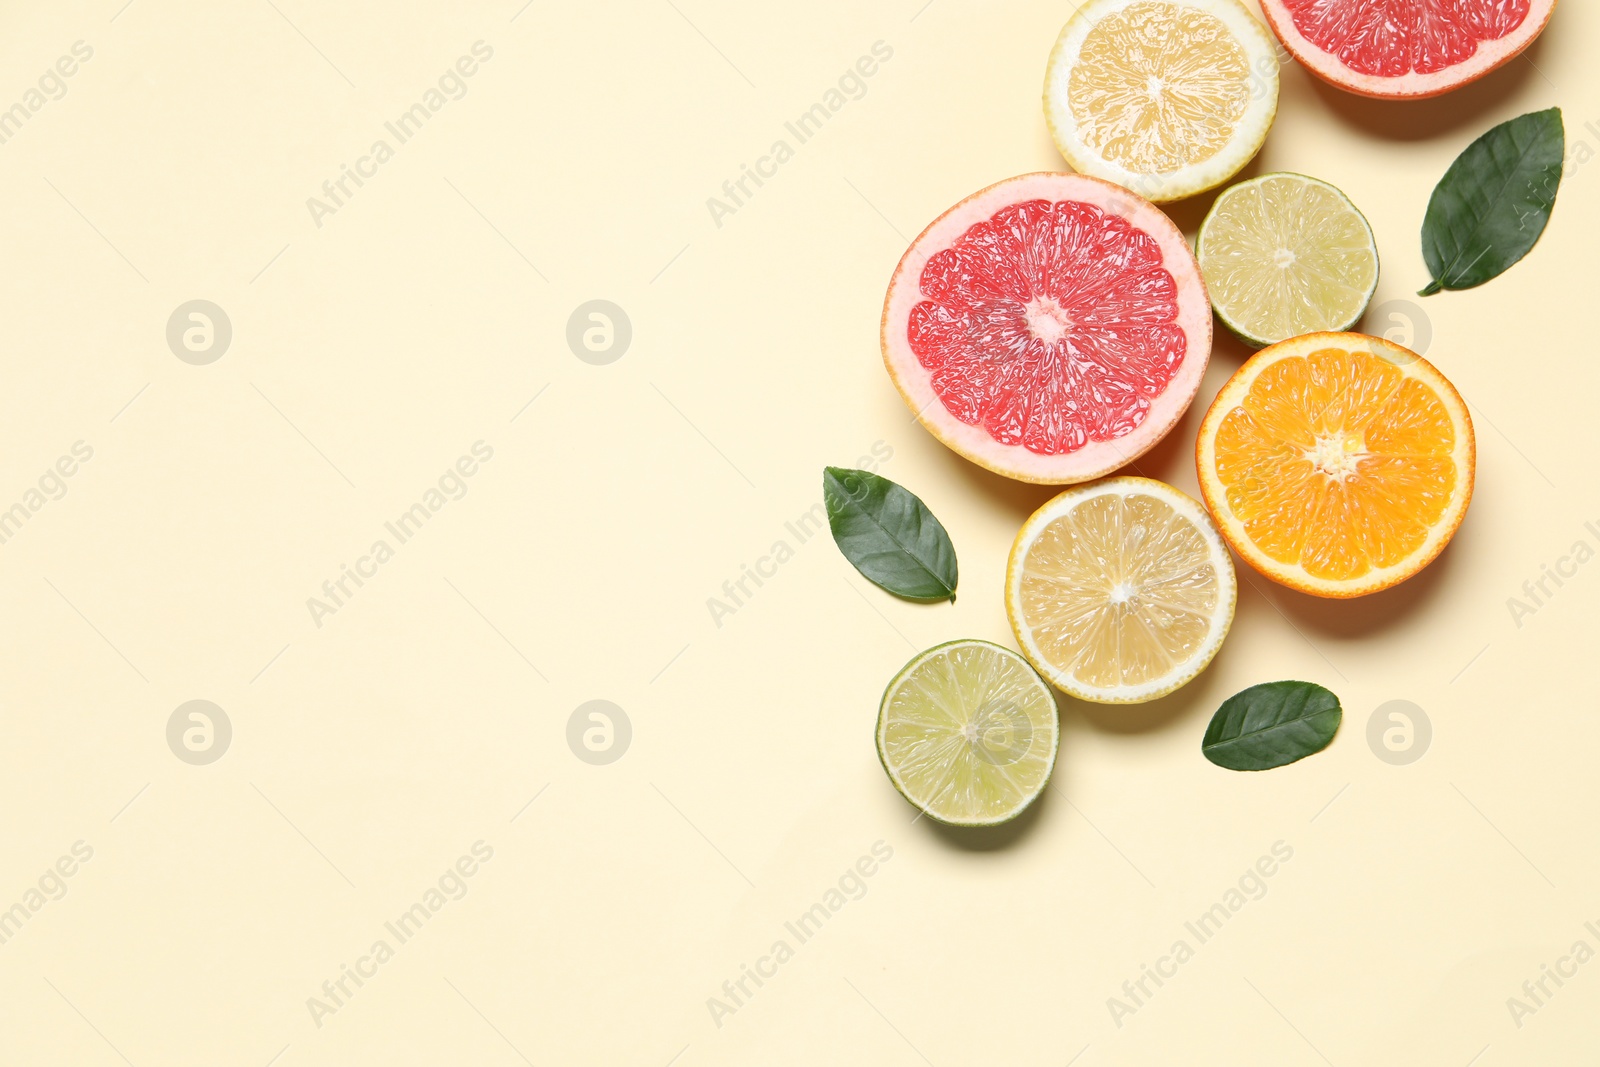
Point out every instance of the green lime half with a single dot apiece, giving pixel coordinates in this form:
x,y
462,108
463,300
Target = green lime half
x,y
967,732
1285,255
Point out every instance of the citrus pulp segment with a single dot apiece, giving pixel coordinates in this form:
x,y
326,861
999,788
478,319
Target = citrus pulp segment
x,y
1051,327
1284,255
1166,97
1337,464
1405,49
1121,591
967,733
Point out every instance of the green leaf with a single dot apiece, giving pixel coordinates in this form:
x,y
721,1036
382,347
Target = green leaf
x,y
1493,203
1270,725
889,535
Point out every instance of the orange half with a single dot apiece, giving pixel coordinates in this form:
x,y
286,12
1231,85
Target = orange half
x,y
1337,464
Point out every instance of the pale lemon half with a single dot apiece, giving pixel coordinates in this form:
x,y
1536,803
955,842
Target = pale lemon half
x,y
1168,98
1120,591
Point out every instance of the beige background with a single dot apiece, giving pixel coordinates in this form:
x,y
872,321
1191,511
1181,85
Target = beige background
x,y
371,752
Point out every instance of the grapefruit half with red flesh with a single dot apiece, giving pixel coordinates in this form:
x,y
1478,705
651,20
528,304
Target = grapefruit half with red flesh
x,y
1405,49
1052,327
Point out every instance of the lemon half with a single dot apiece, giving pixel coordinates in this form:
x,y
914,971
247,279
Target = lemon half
x,y
1168,98
1120,591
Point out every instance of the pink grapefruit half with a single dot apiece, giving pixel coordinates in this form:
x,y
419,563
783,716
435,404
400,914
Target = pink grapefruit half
x,y
1405,49
1052,327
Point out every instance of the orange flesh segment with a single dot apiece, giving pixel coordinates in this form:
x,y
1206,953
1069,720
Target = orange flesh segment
x,y
1337,462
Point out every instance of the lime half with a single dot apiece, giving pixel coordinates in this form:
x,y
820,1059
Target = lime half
x,y
1285,255
967,732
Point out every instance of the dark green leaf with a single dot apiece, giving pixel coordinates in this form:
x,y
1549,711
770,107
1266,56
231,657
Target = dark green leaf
x,y
1270,725
1493,203
889,535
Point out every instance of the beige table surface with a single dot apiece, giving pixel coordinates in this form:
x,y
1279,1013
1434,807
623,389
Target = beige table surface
x,y
386,737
